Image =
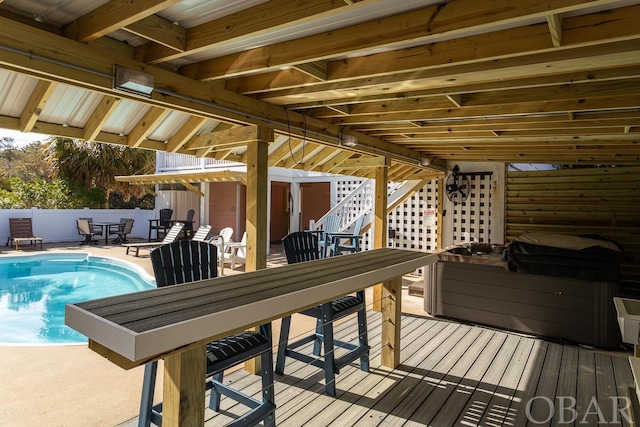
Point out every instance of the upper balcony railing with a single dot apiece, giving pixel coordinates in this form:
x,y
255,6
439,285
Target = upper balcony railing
x,y
170,162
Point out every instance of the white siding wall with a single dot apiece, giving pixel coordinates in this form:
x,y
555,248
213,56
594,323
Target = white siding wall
x,y
59,225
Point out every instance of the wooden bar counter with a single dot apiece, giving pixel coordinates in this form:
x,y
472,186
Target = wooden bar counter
x,y
174,323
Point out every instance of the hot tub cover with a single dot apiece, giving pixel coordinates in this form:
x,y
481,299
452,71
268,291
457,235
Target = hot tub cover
x,y
562,255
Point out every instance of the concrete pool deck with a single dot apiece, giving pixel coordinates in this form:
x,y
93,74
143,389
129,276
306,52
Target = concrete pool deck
x,y
70,385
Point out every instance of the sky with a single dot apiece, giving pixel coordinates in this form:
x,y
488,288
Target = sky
x,y
22,138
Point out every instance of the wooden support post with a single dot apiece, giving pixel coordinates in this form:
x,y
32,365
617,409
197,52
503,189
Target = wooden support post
x,y
183,398
391,316
257,182
380,224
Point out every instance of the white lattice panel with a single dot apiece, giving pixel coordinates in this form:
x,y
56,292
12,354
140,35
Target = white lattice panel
x,y
408,220
472,218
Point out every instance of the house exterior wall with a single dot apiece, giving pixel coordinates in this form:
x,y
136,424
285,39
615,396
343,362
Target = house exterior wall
x,y
180,201
412,221
227,207
279,210
316,201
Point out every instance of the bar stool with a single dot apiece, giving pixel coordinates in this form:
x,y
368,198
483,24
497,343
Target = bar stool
x,y
303,246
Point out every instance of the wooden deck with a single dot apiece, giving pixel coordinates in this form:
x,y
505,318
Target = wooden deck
x,y
451,374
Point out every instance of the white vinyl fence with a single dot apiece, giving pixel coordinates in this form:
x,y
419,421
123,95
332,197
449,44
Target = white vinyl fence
x,y
59,225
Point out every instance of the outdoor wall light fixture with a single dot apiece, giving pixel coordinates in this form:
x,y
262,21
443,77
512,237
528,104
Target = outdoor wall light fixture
x,y
132,81
347,140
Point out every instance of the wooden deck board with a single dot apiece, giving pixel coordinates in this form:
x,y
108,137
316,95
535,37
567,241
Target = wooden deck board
x,y
586,383
547,384
497,410
606,387
352,387
480,400
422,382
402,382
567,382
451,374
623,377
468,382
526,389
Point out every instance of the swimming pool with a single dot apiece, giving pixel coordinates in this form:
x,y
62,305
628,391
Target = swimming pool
x,y
34,290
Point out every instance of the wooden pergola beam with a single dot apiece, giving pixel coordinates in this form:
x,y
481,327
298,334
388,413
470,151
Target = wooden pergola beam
x,y
36,103
112,16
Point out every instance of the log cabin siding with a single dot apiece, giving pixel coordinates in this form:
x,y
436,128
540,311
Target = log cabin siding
x,y
602,201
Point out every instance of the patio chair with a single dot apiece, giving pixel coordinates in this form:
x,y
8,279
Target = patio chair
x,y
21,230
161,224
343,243
220,240
236,252
170,237
331,225
202,233
199,263
84,229
97,230
188,224
302,246
121,230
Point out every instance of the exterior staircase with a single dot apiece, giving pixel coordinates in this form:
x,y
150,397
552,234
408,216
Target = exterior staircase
x,y
359,203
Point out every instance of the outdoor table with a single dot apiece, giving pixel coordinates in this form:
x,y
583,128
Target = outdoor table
x,y
105,229
176,322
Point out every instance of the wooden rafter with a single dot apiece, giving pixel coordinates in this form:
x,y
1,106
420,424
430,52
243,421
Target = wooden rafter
x,y
449,20
242,25
113,15
99,117
36,103
146,125
500,84
161,31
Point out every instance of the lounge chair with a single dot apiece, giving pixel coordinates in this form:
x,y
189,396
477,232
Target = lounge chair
x,y
21,230
202,233
170,237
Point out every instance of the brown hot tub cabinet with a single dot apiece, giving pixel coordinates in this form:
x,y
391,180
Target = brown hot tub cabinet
x,y
575,310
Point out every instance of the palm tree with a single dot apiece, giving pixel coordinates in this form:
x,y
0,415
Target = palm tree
x,y
97,164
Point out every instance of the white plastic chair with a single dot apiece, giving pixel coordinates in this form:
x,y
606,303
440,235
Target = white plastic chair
x,y
237,252
221,240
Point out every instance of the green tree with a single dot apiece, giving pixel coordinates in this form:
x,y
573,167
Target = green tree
x,y
9,153
32,166
95,165
39,194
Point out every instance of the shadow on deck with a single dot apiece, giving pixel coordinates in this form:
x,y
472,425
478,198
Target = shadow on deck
x,y
451,374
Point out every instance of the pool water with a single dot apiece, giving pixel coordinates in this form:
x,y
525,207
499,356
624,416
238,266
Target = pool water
x,y
35,289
